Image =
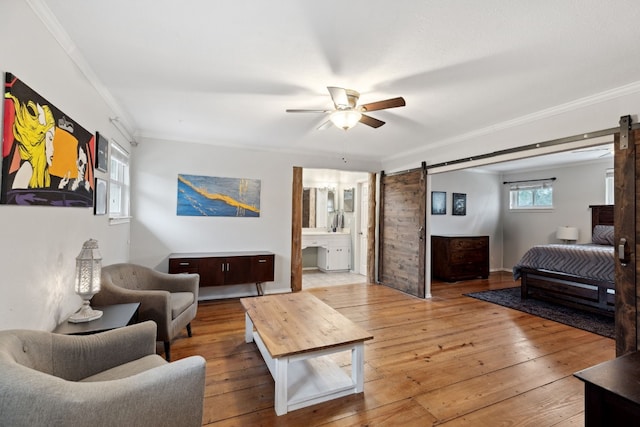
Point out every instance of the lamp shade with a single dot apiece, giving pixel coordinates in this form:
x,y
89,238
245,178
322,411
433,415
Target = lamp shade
x,y
88,268
345,119
567,233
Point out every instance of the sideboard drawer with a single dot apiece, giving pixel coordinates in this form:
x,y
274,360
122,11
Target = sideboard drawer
x,y
184,265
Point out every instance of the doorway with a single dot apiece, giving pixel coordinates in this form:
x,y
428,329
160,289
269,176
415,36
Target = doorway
x,y
332,218
581,181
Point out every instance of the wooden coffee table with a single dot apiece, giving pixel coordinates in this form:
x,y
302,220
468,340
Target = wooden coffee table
x,y
295,334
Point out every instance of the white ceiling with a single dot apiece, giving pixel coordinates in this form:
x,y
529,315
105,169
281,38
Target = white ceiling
x,y
565,158
223,72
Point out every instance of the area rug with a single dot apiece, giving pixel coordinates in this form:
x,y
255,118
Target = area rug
x,y
510,297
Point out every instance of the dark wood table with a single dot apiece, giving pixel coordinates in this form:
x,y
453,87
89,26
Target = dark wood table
x,y
612,392
113,317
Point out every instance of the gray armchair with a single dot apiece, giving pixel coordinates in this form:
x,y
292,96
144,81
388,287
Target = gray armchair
x,y
114,378
170,300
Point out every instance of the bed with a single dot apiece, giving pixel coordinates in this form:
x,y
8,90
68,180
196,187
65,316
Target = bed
x,y
580,276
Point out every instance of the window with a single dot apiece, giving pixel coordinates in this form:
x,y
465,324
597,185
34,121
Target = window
x,y
608,187
531,195
118,183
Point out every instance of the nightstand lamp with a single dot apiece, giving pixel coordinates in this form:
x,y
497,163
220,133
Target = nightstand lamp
x,y
567,233
88,267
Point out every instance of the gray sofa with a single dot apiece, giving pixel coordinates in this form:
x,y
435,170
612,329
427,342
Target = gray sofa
x,y
170,300
109,379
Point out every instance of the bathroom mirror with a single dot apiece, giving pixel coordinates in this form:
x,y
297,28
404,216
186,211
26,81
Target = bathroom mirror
x,y
347,200
317,203
331,200
309,208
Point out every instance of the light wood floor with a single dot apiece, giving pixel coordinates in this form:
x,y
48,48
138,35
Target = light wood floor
x,y
451,360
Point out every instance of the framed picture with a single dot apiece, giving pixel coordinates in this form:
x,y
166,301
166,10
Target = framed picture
x,y
458,204
200,195
438,203
48,159
100,205
102,152
348,199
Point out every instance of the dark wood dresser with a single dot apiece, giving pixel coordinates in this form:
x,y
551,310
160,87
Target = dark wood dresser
x,y
459,257
226,268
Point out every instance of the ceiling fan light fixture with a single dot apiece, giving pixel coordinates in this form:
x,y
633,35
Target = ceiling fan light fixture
x,y
345,119
348,113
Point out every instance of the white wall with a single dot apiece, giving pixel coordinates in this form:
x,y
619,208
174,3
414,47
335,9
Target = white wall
x,y
483,216
39,244
575,189
157,231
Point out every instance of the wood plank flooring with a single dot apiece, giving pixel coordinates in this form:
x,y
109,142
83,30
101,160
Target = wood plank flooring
x,y
450,360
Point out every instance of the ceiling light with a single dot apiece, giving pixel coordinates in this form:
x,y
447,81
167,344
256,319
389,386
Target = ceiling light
x,y
345,119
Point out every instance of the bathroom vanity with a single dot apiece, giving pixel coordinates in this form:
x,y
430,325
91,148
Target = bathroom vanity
x,y
334,248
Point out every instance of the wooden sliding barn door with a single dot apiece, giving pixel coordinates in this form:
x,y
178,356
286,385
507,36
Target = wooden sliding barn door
x,y
626,220
401,262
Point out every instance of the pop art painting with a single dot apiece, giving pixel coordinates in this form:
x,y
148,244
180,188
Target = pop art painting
x,y
47,158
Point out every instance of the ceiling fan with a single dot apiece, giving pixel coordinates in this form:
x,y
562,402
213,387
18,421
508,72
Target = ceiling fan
x,y
348,113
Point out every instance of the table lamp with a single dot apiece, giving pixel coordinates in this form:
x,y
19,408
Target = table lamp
x,y
88,267
567,233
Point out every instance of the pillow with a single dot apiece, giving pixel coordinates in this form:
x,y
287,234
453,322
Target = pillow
x,y
603,235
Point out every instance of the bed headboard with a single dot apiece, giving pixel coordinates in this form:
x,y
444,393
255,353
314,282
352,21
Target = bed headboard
x,y
601,215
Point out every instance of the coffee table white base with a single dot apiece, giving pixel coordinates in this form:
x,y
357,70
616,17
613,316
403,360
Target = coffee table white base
x,y
308,378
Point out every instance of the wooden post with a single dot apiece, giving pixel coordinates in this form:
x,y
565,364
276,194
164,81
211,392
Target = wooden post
x,y
371,231
296,230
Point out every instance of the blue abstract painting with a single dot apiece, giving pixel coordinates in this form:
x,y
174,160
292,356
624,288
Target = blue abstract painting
x,y
214,196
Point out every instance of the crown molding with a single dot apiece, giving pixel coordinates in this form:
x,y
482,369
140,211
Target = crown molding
x,y
597,98
52,24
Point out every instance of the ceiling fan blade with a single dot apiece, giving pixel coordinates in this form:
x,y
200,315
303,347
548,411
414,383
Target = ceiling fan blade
x,y
325,125
308,111
339,96
370,121
381,105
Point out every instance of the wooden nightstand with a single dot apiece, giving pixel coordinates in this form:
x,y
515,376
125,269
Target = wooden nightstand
x,y
612,392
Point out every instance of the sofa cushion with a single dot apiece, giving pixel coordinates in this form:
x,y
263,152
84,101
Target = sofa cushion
x,y
128,369
180,301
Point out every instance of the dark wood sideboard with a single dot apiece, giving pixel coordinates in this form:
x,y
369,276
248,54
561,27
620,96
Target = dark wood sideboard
x,y
459,257
226,268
